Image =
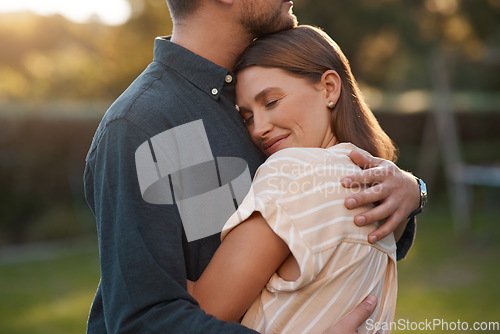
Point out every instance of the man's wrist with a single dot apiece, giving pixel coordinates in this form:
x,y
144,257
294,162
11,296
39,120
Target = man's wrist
x,y
423,197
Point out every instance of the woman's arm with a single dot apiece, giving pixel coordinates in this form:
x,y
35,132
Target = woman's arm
x,y
240,269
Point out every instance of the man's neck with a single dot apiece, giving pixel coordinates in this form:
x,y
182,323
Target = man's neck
x,y
221,45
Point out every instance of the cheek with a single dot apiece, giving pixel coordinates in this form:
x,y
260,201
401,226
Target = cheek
x,y
317,122
321,113
254,139
322,122
312,112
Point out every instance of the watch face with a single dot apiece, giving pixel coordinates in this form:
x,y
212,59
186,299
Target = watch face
x,y
423,197
423,193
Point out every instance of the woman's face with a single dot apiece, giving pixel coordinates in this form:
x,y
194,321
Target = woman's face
x,y
282,110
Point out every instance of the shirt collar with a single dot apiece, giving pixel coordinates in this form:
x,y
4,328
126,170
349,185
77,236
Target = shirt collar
x,y
202,73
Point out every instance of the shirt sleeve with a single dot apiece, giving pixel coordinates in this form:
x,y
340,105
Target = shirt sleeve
x,y
406,241
143,275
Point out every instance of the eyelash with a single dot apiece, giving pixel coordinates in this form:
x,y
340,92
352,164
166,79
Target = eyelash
x,y
247,117
271,104
247,120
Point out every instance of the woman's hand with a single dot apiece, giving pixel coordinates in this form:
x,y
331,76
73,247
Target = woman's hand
x,y
396,191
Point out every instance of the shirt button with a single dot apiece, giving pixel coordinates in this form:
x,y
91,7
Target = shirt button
x,y
215,91
228,78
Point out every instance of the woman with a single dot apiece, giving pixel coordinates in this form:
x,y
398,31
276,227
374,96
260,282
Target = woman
x,y
292,259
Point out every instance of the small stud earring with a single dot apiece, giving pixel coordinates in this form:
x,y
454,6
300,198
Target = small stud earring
x,y
331,105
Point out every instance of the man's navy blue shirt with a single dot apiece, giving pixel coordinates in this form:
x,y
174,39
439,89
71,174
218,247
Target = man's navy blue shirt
x,y
145,255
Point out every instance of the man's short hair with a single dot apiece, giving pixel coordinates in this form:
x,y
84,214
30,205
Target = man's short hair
x,y
180,9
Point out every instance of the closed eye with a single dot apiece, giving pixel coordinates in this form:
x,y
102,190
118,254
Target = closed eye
x,y
271,104
247,116
248,120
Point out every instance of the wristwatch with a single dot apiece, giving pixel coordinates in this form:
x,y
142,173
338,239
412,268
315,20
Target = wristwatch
x,y
423,197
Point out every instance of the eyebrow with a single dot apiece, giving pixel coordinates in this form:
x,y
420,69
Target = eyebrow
x,y
258,97
263,93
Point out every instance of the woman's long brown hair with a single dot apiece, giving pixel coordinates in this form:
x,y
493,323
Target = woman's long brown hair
x,y
308,52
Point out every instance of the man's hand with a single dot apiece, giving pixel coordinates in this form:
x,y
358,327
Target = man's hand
x,y
351,322
396,191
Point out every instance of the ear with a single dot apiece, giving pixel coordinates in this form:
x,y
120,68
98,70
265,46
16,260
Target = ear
x,y
332,84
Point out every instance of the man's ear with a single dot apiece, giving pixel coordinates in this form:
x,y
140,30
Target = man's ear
x,y
332,84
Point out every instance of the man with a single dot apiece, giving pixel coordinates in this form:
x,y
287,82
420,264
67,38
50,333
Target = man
x,y
171,160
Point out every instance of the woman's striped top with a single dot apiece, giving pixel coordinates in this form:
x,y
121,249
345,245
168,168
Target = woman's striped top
x,y
298,192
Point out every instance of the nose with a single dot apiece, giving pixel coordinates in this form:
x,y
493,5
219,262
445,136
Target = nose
x,y
261,126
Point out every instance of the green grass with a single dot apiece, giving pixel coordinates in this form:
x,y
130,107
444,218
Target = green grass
x,y
449,276
445,276
49,296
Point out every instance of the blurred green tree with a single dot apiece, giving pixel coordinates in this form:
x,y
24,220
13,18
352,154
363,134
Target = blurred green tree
x,y
47,58
387,41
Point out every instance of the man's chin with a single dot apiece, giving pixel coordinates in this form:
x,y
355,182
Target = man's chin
x,y
285,23
290,23
295,22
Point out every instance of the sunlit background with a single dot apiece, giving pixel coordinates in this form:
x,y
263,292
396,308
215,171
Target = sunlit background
x,y
111,12
429,69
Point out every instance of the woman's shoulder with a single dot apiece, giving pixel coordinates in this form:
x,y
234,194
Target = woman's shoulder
x,y
339,155
309,154
290,160
295,161
302,153
343,148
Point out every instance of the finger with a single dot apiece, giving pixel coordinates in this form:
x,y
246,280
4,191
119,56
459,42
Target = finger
x,y
388,227
364,160
376,214
365,177
359,315
380,233
376,193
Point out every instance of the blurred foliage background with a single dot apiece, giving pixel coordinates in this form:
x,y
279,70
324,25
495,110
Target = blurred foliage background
x,y
58,77
387,41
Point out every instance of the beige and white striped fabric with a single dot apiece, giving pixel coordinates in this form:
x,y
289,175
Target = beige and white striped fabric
x,y
298,192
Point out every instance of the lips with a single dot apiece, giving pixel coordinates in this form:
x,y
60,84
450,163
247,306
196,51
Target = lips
x,y
272,145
